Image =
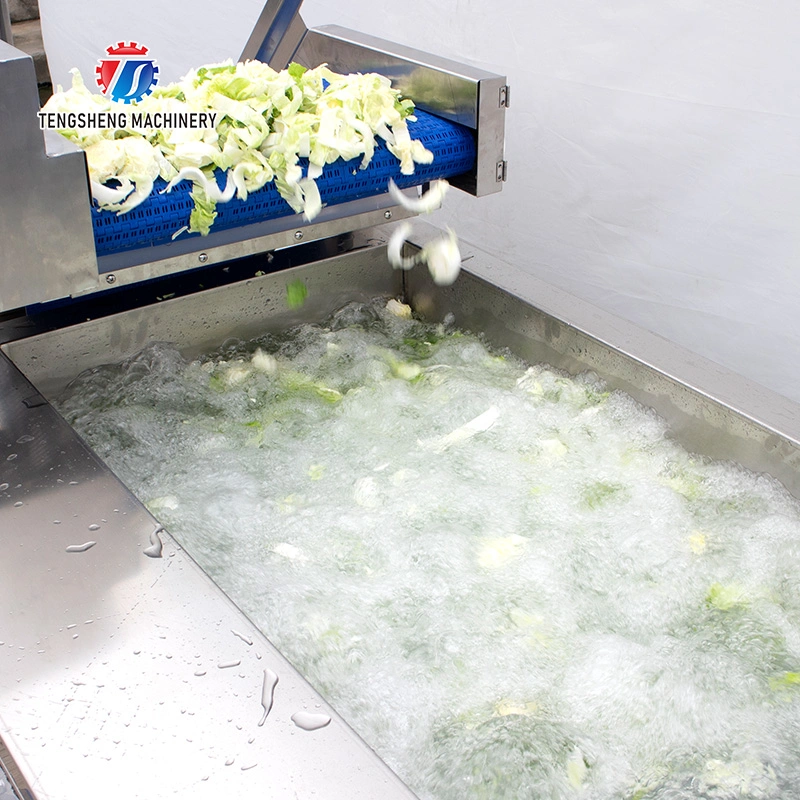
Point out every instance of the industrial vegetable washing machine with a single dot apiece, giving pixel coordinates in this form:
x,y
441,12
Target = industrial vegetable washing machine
x,y
103,648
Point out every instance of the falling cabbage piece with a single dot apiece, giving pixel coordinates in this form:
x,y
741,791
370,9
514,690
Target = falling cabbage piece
x,y
394,248
442,255
266,121
429,201
296,294
443,258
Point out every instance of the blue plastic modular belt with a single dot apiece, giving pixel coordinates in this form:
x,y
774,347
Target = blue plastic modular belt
x,y
156,220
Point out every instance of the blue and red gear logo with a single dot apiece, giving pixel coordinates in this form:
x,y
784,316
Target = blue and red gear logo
x,y
127,76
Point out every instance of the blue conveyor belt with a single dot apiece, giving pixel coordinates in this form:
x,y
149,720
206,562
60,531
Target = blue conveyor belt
x,y
156,220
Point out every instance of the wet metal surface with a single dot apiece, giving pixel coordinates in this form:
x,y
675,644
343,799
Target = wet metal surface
x,y
128,676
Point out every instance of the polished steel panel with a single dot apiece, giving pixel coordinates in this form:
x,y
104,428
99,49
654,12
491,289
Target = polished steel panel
x,y
284,55
449,89
202,321
276,35
46,242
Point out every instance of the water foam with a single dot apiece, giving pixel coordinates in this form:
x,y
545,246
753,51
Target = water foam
x,y
510,581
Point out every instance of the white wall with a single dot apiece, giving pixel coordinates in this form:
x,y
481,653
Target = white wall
x,y
653,148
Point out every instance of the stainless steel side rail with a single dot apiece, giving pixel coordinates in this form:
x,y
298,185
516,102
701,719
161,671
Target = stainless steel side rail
x,y
454,91
6,33
276,35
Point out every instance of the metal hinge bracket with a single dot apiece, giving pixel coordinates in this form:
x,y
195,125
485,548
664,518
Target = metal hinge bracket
x,y
505,96
502,171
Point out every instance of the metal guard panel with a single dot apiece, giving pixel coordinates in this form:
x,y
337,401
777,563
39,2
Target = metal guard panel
x,y
46,248
155,221
451,90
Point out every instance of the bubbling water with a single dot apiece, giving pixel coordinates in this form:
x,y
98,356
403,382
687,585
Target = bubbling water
x,y
510,581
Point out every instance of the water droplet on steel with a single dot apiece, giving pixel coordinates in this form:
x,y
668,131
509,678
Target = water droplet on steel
x,y
310,722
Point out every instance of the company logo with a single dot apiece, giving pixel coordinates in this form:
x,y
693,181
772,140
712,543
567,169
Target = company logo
x,y
126,76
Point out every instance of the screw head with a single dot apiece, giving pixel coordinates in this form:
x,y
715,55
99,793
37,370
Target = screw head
x,y
202,258
298,235
387,214
111,278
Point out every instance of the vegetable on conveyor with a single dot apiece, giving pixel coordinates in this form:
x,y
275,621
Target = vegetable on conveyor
x,y
265,123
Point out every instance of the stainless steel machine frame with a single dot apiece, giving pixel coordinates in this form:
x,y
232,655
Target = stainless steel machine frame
x,y
114,667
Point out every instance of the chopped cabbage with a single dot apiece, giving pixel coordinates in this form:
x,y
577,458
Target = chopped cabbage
x,y
698,542
399,309
430,201
441,255
443,259
598,494
727,597
264,362
316,472
787,681
296,294
577,768
289,551
507,708
265,122
496,552
479,424
394,248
